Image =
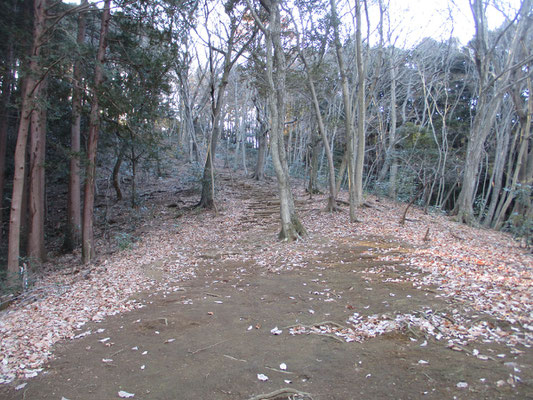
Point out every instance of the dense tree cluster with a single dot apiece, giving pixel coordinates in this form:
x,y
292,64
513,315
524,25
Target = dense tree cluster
x,y
318,89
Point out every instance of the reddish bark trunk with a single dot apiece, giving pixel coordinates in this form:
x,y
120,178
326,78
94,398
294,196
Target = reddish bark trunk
x,y
28,100
92,144
36,250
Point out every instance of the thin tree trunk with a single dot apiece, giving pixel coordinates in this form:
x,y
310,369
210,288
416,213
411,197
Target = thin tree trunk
x,y
73,228
312,186
133,176
243,152
88,250
5,99
259,173
28,102
116,172
522,158
361,110
342,171
322,130
489,99
502,148
261,137
217,101
392,125
350,134
276,69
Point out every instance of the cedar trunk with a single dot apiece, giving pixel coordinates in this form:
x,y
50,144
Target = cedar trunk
x,y
36,250
73,228
88,250
28,102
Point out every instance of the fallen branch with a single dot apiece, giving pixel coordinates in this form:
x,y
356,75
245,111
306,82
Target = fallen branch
x,y
280,392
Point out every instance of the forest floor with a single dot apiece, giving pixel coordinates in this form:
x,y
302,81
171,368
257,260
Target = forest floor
x,y
205,305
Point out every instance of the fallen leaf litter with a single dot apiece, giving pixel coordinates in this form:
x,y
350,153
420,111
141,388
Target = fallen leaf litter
x,y
488,272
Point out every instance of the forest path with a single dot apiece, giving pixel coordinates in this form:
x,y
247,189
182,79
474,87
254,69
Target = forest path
x,y
208,337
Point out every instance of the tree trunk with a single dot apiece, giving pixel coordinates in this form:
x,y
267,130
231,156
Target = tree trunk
x,y
502,149
88,250
5,99
322,130
392,126
392,192
217,101
28,102
291,227
36,249
188,115
361,110
116,172
312,186
73,228
133,176
490,95
208,190
348,121
342,171
519,175
261,136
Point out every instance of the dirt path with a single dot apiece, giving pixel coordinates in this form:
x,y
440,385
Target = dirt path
x,y
209,337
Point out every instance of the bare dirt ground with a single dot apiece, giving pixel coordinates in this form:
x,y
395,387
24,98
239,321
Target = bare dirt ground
x,y
231,313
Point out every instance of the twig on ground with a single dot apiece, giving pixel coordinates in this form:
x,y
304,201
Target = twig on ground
x,y
208,347
116,352
279,370
233,358
280,392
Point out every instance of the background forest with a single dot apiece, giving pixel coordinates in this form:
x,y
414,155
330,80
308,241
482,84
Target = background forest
x,y
113,94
